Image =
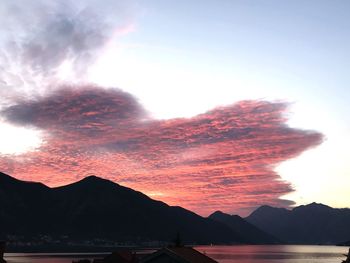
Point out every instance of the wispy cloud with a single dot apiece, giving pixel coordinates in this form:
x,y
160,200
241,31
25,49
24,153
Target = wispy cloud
x,y
39,39
222,159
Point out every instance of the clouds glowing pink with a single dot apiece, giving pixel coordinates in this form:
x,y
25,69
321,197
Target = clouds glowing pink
x,y
223,159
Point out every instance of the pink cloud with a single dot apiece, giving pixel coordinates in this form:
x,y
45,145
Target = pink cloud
x,y
222,159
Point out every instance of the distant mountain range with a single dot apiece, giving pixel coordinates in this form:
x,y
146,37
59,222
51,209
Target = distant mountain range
x,y
98,209
309,224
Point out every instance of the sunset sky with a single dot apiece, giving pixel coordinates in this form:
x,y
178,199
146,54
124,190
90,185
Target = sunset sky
x,y
210,105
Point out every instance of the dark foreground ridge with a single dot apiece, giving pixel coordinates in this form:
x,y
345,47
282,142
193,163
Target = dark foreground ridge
x,y
95,212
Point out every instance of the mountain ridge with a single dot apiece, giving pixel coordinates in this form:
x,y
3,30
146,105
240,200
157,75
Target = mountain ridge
x,y
253,234
314,223
98,208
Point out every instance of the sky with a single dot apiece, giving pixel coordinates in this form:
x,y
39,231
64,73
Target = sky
x,y
212,105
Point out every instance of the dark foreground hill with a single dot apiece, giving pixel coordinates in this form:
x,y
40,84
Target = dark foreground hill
x,y
309,224
251,233
94,208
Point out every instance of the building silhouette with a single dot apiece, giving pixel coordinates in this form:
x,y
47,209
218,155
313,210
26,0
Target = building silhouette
x,y
178,255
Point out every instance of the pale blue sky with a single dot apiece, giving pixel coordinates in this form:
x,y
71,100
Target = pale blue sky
x,y
294,49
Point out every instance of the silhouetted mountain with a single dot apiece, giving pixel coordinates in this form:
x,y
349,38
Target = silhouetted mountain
x,y
98,208
20,203
249,232
309,224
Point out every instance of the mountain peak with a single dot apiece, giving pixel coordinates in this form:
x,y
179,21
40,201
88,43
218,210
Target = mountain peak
x,y
247,231
266,211
91,182
92,178
265,208
313,206
217,213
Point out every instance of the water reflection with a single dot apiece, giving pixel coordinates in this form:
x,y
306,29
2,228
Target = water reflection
x,y
269,254
223,254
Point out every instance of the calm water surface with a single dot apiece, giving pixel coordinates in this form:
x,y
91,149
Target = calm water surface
x,y
274,254
223,254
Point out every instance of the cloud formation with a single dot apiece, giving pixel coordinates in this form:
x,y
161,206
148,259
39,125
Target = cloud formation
x,y
41,39
222,159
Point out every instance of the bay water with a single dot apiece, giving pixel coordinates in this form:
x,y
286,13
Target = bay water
x,y
223,254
